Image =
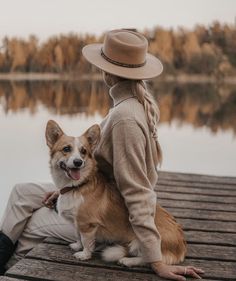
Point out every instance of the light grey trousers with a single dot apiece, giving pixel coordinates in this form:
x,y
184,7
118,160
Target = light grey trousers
x,y
27,221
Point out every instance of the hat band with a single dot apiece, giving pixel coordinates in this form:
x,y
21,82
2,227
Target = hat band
x,y
121,63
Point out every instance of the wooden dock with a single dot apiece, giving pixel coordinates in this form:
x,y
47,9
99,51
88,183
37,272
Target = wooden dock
x,y
204,205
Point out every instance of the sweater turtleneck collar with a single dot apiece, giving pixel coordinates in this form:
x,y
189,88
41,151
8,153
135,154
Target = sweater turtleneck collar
x,y
121,91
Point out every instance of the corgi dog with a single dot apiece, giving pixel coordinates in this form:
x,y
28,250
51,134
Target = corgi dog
x,y
96,206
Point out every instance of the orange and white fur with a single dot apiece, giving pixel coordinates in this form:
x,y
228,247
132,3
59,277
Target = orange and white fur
x,y
96,206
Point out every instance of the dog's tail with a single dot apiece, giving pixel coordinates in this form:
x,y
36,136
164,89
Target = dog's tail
x,y
114,253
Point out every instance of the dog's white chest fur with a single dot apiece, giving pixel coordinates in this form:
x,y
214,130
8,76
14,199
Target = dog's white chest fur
x,y
68,204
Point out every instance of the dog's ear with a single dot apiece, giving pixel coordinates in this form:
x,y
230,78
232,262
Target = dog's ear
x,y
93,135
53,133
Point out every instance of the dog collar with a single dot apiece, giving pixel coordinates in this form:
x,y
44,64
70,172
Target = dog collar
x,y
70,188
67,189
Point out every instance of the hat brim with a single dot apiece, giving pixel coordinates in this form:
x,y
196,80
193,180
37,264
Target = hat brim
x,y
152,68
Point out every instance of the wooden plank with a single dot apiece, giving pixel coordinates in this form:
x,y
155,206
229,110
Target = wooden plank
x,y
49,271
199,237
164,175
195,189
212,252
196,205
179,176
202,214
205,185
195,184
61,254
215,269
202,237
196,198
216,226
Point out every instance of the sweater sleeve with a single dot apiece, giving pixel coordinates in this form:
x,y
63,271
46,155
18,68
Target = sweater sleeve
x,y
130,172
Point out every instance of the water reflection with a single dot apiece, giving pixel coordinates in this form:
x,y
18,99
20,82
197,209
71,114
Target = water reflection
x,y
58,97
196,104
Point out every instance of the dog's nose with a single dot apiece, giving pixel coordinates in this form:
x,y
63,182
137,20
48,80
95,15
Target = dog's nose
x,y
78,162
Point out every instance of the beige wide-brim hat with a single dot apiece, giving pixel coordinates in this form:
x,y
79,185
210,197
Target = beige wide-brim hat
x,y
124,54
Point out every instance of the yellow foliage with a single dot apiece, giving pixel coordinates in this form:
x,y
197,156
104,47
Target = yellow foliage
x,y
162,45
191,46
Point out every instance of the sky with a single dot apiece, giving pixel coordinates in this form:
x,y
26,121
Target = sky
x,y
49,17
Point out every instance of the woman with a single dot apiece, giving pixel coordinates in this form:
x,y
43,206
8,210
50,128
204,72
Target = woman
x,y
128,152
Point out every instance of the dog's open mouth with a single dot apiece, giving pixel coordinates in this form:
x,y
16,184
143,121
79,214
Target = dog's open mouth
x,y
73,173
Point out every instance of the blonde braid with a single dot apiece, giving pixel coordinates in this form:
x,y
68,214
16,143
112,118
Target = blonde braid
x,y
151,109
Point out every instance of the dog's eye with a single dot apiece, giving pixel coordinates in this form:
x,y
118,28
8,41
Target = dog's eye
x,y
83,150
67,148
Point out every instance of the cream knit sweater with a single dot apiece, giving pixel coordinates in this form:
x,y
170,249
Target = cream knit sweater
x,y
126,153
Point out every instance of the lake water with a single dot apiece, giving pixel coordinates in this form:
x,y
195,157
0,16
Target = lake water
x,y
197,128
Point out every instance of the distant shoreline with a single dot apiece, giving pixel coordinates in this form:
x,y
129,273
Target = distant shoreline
x,y
179,78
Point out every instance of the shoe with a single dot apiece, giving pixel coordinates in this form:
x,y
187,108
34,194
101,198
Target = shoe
x,y
6,250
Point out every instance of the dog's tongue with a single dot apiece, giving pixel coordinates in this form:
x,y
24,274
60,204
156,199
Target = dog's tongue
x,y
75,174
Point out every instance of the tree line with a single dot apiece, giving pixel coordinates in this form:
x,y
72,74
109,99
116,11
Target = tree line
x,y
205,50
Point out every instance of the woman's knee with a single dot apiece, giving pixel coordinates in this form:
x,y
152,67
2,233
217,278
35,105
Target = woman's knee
x,y
47,223
27,188
20,188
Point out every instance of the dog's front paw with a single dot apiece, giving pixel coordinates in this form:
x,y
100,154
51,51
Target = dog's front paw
x,y
131,261
76,246
83,255
125,261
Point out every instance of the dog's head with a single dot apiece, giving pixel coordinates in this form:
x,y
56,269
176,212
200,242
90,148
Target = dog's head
x,y
71,161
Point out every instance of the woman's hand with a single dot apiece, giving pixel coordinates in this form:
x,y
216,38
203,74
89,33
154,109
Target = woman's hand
x,y
50,199
175,272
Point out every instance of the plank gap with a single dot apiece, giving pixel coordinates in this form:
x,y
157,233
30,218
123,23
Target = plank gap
x,y
207,230
211,244
168,206
192,193
203,219
196,200
197,185
22,277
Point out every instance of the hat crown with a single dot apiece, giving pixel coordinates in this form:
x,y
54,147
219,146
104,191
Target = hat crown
x,y
125,47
